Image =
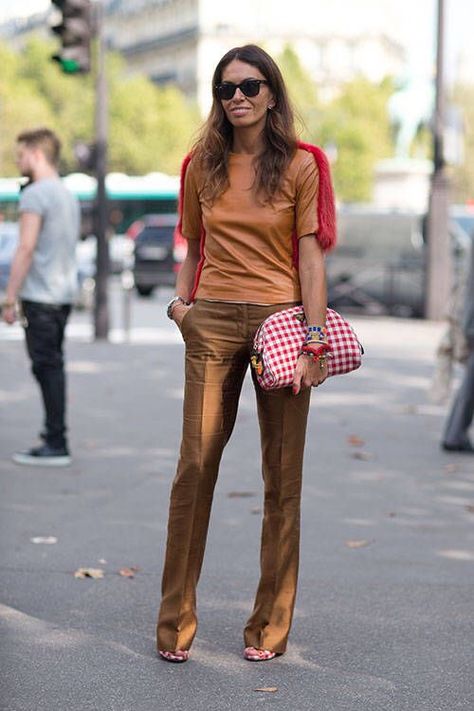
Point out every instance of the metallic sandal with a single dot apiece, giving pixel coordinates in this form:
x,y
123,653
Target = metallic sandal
x,y
252,654
180,655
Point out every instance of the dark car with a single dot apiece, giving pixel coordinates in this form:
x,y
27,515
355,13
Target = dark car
x,y
158,253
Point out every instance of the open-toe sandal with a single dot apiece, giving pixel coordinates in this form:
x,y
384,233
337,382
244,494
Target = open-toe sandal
x,y
180,655
252,654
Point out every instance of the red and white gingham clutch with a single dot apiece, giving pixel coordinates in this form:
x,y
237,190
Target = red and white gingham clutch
x,y
279,339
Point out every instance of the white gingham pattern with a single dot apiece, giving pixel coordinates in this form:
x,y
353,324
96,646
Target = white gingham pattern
x,y
280,337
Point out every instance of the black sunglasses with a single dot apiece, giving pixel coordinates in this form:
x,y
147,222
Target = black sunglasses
x,y
248,87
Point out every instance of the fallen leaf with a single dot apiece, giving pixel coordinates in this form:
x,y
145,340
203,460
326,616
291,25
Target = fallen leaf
x,y
363,456
355,441
409,410
95,573
361,543
451,468
49,540
242,494
270,689
470,508
129,572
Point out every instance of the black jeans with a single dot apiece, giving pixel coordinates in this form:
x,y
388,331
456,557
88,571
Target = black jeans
x,y
44,330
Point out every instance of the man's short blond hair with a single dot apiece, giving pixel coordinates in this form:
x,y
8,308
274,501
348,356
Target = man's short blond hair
x,y
45,139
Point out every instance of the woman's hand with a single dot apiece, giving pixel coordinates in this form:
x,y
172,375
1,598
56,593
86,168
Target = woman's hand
x,y
179,312
308,372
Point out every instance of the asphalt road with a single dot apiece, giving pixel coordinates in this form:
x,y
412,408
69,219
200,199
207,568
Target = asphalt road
x,y
384,617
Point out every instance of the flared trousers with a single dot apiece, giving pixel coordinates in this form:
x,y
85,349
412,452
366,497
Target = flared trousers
x,y
218,338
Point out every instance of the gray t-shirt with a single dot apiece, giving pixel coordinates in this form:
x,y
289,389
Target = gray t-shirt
x,y
52,278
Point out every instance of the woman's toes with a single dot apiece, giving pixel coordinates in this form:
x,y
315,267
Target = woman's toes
x,y
180,655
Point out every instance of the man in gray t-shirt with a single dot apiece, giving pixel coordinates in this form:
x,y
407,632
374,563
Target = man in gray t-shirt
x,y
44,277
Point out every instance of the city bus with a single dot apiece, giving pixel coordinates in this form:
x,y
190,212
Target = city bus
x,y
130,197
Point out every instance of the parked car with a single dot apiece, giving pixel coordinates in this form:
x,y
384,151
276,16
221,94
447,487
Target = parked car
x,y
158,253
9,235
464,216
379,264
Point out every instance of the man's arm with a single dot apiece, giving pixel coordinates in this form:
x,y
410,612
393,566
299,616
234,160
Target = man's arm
x,y
30,225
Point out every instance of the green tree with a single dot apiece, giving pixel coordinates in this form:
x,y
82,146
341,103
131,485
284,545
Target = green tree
x,y
463,175
357,123
302,90
150,127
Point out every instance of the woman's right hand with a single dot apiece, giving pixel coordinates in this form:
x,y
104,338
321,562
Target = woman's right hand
x,y
179,312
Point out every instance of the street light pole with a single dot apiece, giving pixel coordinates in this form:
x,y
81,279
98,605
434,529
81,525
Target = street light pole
x,y
101,312
439,274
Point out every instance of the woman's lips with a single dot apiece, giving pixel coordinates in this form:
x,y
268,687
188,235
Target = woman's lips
x,y
239,111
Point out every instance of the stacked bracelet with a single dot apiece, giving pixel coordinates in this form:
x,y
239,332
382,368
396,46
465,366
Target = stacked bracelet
x,y
320,332
316,351
316,334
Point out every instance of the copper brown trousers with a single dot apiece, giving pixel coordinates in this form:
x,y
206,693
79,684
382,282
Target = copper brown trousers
x,y
218,338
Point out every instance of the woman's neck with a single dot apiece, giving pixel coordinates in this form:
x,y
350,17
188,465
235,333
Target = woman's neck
x,y
247,141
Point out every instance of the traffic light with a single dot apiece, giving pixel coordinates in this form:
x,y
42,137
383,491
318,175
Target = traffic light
x,y
75,32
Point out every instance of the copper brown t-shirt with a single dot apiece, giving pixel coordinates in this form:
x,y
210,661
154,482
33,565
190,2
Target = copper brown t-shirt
x,y
248,247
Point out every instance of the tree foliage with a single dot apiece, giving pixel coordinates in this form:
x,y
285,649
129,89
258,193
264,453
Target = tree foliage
x,y
355,123
358,125
463,175
150,127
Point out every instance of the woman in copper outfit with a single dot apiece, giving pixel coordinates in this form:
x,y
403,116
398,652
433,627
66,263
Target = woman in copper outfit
x,y
256,208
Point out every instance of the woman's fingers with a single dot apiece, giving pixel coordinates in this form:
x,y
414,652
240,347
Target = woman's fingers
x,y
298,376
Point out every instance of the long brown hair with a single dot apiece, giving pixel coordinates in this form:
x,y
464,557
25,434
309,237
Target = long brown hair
x,y
215,142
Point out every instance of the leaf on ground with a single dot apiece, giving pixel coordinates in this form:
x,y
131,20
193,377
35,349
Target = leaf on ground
x,y
240,494
95,573
360,543
470,508
451,468
268,689
409,410
363,456
355,441
48,540
129,572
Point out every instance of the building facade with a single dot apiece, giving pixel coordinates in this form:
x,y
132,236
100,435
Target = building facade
x,y
181,41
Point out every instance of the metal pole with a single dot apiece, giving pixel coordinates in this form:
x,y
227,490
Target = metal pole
x,y
439,272
101,312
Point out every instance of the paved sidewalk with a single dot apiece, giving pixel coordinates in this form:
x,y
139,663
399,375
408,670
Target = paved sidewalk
x,y
384,618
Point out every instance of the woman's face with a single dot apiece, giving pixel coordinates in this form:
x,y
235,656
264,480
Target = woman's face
x,y
246,111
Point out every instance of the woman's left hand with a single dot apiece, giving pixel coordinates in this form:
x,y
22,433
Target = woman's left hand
x,y
307,373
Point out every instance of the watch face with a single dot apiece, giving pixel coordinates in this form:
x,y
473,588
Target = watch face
x,y
173,301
